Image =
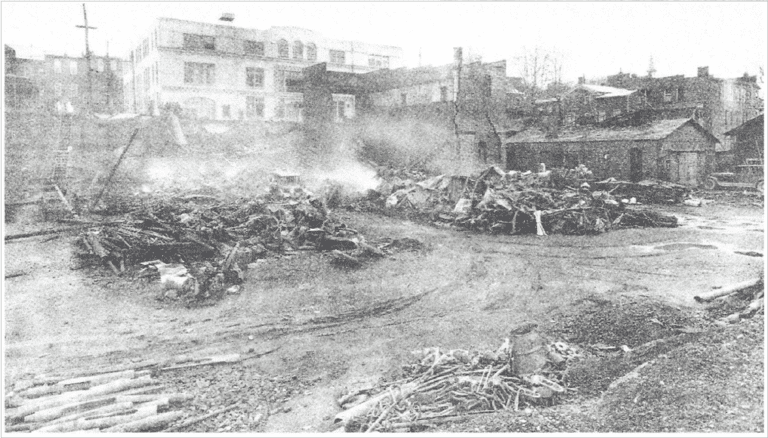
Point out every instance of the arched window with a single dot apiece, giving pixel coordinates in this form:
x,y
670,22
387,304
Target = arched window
x,y
282,49
311,52
298,50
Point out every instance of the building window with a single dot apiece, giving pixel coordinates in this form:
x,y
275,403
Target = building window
x,y
570,119
680,94
254,48
113,65
57,88
443,94
298,50
254,107
337,57
344,107
667,96
100,65
280,109
311,52
199,73
57,66
293,81
288,80
377,61
339,116
600,116
282,49
616,112
225,111
199,42
73,67
73,90
254,77
403,99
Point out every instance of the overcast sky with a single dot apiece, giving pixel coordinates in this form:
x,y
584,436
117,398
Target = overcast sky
x,y
596,39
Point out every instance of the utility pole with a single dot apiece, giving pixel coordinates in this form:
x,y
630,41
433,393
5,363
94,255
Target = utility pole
x,y
87,57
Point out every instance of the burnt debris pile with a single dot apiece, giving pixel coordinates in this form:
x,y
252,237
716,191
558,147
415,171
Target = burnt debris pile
x,y
200,246
522,203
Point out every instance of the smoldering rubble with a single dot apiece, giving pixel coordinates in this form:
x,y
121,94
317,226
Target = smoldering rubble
x,y
555,202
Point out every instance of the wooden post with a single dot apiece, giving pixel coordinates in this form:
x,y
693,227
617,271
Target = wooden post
x,y
114,168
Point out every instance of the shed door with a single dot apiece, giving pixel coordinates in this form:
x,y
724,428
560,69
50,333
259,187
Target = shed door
x,y
635,164
689,165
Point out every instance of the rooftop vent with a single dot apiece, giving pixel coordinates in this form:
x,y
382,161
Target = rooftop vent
x,y
227,16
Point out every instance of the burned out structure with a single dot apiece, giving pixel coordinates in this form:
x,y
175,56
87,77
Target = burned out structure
x,y
677,150
466,103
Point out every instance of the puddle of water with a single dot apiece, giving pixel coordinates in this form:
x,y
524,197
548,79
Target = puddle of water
x,y
682,246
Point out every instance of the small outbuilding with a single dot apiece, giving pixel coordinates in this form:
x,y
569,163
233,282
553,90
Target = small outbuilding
x,y
747,141
677,150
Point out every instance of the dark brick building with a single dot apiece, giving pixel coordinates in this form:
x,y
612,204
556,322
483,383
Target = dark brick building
x,y
66,80
717,104
460,105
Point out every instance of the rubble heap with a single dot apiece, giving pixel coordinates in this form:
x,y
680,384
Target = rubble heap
x,y
213,243
522,203
444,384
648,191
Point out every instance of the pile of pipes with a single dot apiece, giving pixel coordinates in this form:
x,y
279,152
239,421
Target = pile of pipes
x,y
125,401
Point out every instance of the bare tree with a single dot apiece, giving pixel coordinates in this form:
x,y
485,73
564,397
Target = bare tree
x,y
538,67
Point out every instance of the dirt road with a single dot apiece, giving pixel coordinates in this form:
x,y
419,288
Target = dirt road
x,y
339,329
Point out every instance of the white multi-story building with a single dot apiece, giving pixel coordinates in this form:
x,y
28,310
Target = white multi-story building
x,y
222,72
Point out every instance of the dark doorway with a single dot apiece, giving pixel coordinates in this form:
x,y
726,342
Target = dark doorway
x,y
635,164
515,157
483,151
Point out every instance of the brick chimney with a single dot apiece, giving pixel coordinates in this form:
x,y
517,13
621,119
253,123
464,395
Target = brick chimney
x,y
457,55
582,80
703,72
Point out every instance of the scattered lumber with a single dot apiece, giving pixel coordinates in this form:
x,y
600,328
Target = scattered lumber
x,y
728,290
145,424
42,233
448,384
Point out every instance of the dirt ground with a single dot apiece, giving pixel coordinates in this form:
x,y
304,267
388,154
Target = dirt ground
x,y
336,330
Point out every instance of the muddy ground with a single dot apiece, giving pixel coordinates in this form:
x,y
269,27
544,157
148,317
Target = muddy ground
x,y
335,329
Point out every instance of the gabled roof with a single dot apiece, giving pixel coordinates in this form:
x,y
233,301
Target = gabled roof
x,y
656,130
605,92
758,119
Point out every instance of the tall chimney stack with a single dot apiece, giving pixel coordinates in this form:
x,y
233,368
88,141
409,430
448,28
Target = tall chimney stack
x,y
703,72
457,55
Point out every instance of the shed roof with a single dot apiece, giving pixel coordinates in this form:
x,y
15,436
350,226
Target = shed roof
x,y
606,92
656,130
758,119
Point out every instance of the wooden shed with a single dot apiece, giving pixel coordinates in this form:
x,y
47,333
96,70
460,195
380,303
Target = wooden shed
x,y
677,150
747,140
